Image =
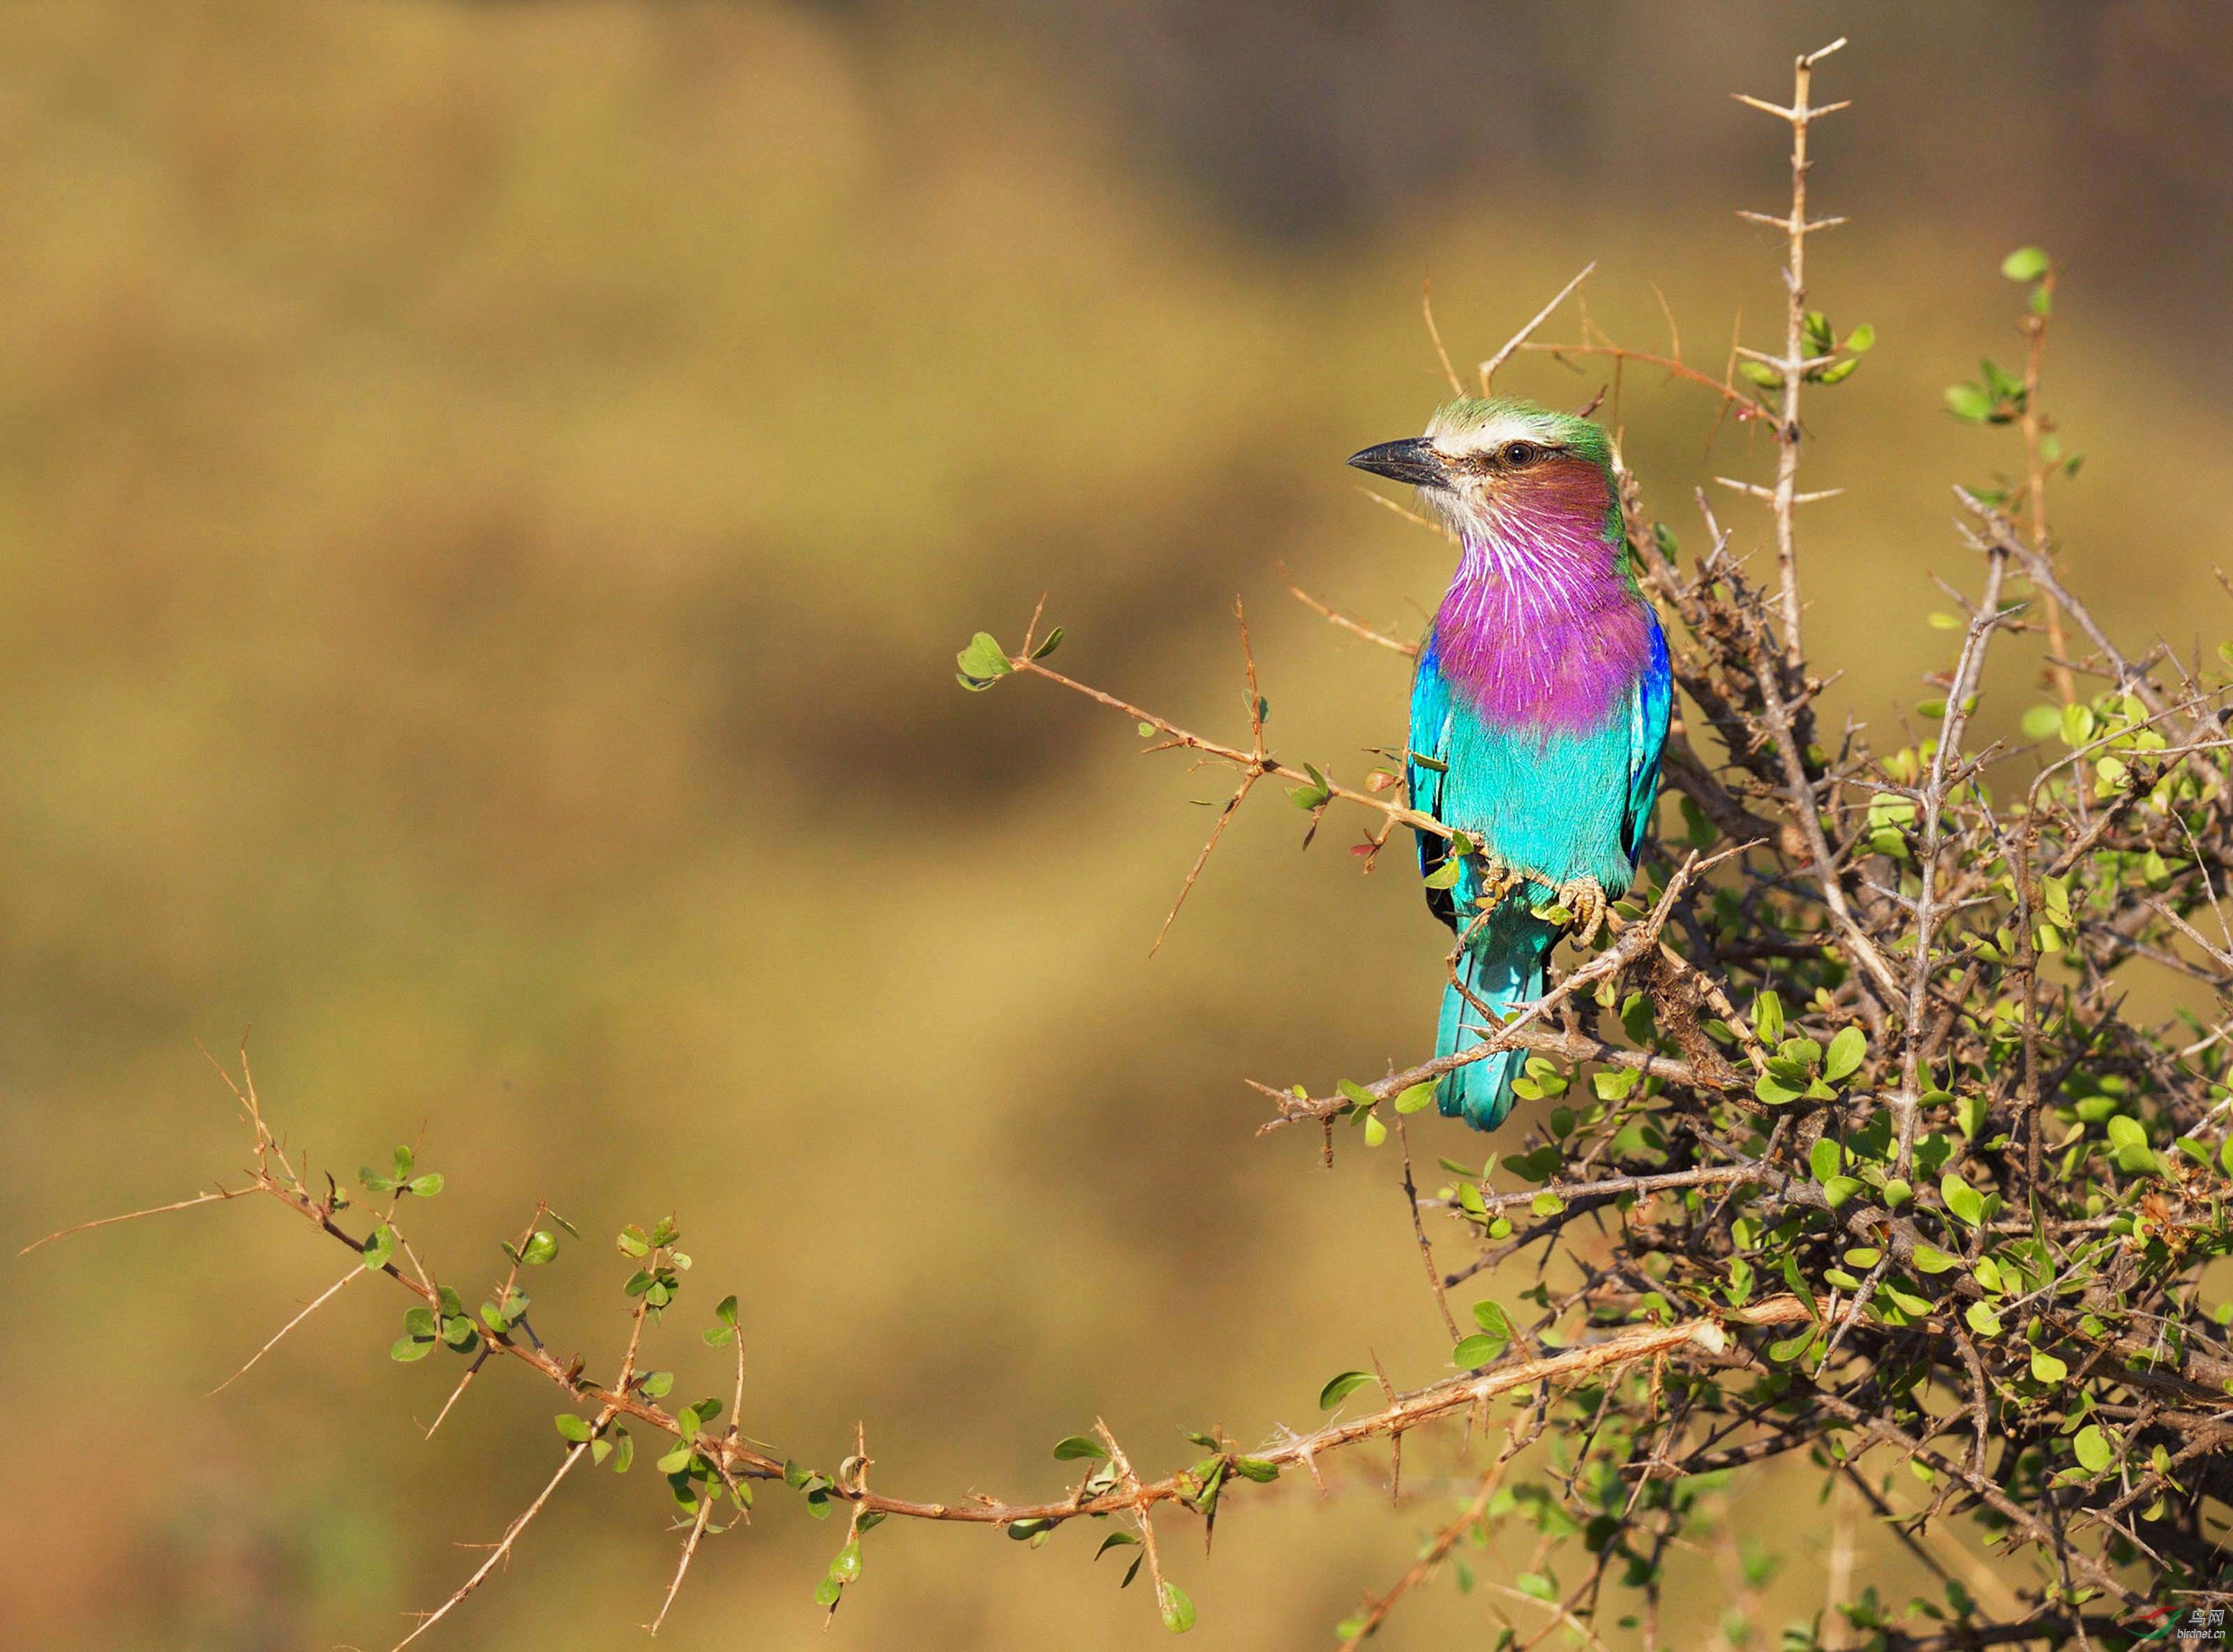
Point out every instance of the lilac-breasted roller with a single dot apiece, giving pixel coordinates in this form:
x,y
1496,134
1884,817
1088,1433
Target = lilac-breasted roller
x,y
1538,710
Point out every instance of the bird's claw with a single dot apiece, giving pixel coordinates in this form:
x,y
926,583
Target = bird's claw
x,y
1495,881
1585,899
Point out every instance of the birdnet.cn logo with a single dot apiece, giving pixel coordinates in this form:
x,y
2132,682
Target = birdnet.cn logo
x,y
2191,1626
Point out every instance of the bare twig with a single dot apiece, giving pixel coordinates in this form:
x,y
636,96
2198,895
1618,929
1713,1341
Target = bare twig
x,y
1505,354
1795,362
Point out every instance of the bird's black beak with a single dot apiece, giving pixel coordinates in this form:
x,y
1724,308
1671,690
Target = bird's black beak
x,y
1409,460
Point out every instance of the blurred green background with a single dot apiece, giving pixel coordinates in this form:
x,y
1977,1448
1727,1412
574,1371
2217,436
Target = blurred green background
x,y
489,495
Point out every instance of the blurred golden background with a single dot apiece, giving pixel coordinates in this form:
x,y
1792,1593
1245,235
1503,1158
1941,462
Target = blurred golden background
x,y
489,497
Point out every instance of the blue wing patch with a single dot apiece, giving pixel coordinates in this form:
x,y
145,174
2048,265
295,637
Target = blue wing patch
x,y
1431,737
1649,709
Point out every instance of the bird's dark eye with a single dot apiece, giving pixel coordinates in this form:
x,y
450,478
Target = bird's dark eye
x,y
1520,453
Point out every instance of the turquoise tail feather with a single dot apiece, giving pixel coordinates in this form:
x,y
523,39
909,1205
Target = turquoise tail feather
x,y
1503,977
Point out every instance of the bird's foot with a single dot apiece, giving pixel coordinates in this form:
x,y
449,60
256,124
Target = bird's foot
x,y
1585,899
1496,880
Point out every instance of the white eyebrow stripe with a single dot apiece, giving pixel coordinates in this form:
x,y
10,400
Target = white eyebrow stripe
x,y
1485,437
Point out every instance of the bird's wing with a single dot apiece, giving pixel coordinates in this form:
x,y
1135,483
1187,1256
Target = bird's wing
x,y
1430,739
1649,707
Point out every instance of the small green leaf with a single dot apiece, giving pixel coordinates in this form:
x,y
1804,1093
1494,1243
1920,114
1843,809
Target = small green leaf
x,y
2046,1368
379,1246
846,1568
571,1427
1052,642
1376,1131
1177,1609
1614,1084
1341,1387
1826,1158
427,1185
983,662
1774,1091
2025,264
1260,1469
2092,1446
624,1451
1416,1098
1846,1052
1211,1474
1862,339
1474,1350
1792,1348
1839,1190
1971,1112
655,1384
1077,1447
1965,1203
406,1349
1967,401
541,1246
1897,1191
1116,1540
1907,1301
676,1460
1929,1258
1983,1320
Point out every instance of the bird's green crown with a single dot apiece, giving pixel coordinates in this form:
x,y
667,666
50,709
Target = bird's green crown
x,y
1474,425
